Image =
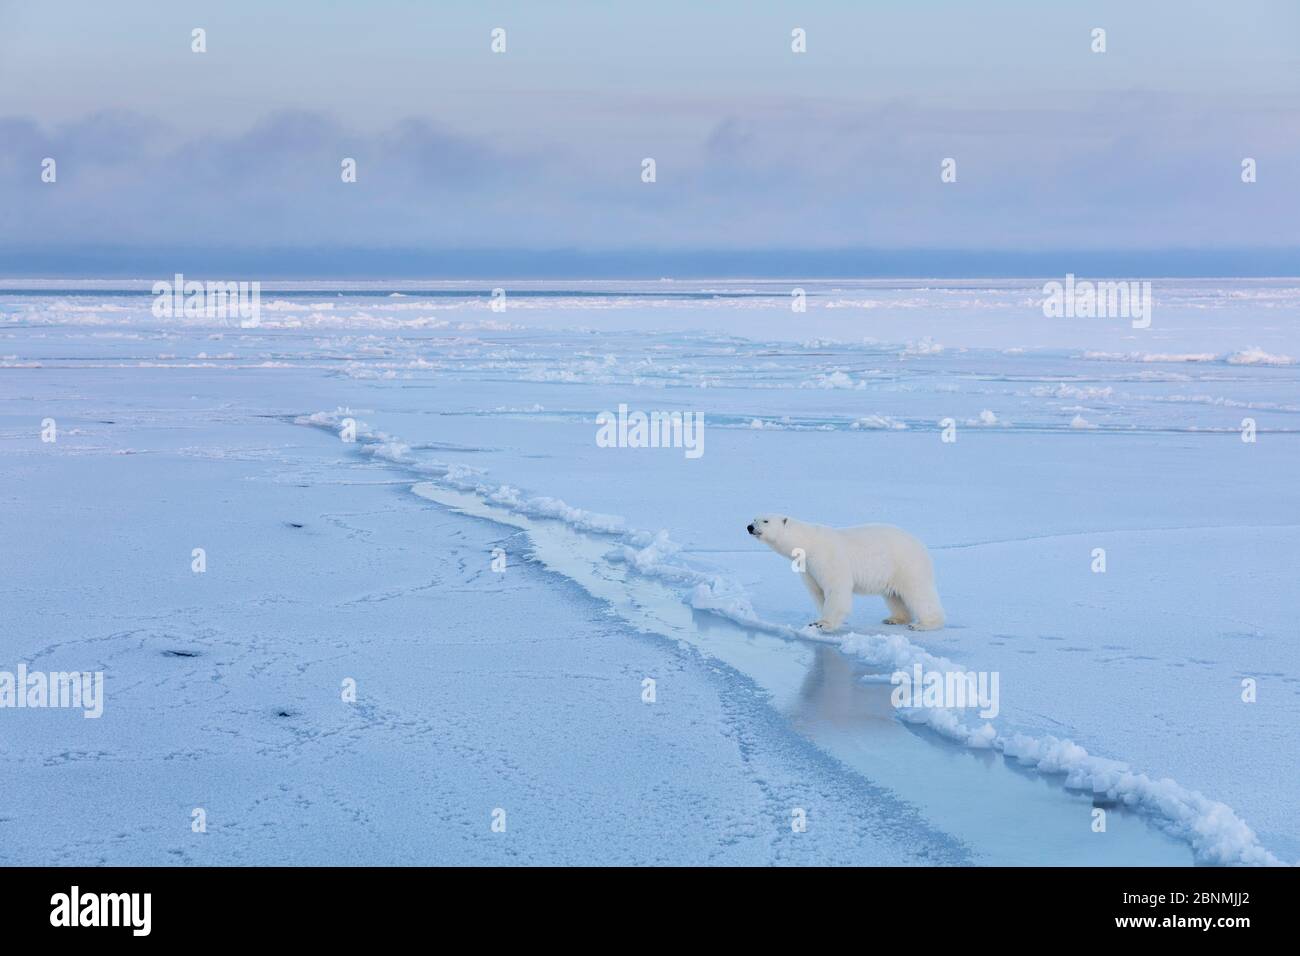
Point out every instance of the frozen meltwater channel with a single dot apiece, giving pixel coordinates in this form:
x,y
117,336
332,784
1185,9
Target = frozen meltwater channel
x,y
1006,816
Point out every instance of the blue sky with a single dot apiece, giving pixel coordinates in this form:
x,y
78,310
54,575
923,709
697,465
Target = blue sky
x,y
535,154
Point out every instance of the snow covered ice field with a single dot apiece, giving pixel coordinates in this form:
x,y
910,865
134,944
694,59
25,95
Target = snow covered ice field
x,y
522,690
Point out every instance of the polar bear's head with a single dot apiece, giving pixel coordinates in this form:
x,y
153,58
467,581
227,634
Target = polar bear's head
x,y
773,530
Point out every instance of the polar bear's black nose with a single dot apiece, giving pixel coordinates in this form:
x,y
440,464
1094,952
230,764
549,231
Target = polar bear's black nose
x,y
749,528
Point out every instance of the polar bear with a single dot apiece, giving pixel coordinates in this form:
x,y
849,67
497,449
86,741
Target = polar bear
x,y
838,563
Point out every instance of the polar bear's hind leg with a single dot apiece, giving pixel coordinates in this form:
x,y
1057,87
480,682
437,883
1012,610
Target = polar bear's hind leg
x,y
925,607
898,612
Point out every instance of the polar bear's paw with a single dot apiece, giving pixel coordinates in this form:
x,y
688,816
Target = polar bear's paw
x,y
895,620
926,625
823,627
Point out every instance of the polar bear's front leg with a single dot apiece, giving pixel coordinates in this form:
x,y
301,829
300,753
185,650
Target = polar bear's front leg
x,y
836,605
815,590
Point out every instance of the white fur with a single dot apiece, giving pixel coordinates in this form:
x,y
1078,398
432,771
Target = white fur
x,y
869,559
